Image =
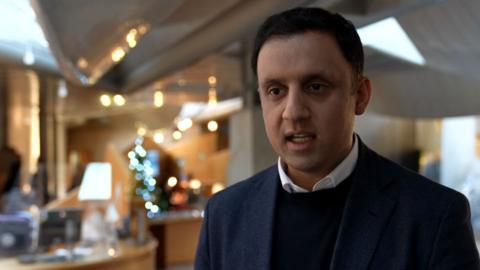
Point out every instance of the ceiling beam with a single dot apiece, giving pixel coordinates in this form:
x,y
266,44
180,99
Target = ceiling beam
x,y
230,26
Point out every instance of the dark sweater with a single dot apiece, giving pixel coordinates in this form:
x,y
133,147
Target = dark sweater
x,y
306,227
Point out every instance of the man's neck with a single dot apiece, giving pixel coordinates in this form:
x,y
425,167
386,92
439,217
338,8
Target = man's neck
x,y
308,179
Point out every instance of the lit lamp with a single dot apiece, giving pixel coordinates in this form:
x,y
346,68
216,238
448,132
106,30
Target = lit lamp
x,y
96,192
96,183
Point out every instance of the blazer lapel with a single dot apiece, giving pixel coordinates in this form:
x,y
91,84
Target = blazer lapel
x,y
367,210
259,231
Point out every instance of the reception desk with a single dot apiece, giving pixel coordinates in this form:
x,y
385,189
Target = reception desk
x,y
129,257
177,234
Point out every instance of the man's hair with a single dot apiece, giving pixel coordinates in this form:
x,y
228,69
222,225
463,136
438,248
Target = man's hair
x,y
301,20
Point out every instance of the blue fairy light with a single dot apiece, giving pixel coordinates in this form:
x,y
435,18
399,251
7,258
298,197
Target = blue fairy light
x,y
154,209
152,182
148,205
148,170
138,149
146,196
134,162
139,141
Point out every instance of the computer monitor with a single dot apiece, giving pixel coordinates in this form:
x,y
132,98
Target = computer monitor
x,y
59,226
15,235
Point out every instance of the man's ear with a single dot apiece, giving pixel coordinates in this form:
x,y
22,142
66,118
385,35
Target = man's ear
x,y
364,91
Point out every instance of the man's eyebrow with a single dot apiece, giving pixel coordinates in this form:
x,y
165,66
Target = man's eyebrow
x,y
269,81
323,76
317,76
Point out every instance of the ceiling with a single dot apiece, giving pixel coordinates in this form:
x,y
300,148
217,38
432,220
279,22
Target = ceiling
x,y
167,35
189,40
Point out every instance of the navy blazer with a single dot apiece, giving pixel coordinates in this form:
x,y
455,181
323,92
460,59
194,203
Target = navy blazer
x,y
393,219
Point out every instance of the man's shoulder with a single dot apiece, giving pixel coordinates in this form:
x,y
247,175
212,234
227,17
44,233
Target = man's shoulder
x,y
415,188
243,190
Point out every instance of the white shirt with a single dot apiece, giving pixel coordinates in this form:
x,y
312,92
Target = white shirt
x,y
333,179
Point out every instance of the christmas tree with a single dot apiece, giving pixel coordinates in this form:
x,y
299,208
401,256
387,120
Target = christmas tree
x,y
146,186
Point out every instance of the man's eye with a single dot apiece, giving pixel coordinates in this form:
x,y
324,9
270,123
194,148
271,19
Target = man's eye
x,y
274,91
316,87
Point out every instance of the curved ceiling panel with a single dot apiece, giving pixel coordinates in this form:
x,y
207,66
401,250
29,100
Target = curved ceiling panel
x,y
405,90
124,45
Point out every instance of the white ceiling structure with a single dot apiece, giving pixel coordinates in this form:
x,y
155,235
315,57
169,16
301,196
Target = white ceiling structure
x,y
171,35
447,34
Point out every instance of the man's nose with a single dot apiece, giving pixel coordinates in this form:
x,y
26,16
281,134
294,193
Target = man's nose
x,y
296,107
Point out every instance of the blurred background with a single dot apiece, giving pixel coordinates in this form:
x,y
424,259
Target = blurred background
x,y
119,118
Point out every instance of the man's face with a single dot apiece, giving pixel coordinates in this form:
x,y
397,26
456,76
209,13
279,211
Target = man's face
x,y
309,96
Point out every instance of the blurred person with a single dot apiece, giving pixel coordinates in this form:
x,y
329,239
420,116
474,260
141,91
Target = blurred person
x,y
10,164
330,202
39,183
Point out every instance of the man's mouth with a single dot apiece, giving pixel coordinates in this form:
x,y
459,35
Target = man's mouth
x,y
300,137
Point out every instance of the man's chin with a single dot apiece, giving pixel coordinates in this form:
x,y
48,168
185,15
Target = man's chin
x,y
304,165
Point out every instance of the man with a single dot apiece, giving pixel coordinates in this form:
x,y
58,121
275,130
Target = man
x,y
330,202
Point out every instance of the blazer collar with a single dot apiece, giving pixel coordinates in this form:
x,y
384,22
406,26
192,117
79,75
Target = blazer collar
x,y
368,207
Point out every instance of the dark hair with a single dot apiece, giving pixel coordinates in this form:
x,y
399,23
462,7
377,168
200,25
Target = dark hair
x,y
301,20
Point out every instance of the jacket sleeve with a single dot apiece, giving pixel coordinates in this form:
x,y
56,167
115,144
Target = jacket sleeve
x,y
454,246
202,258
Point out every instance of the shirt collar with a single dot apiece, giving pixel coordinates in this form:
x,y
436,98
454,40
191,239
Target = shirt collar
x,y
333,179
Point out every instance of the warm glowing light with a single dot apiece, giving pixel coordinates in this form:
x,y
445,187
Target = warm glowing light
x,y
177,135
119,100
141,131
142,29
118,54
158,99
212,81
185,124
217,187
105,100
188,122
212,96
82,63
131,38
212,126
158,137
172,181
132,35
195,184
132,44
111,252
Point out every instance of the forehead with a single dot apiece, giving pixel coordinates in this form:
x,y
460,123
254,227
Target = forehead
x,y
309,52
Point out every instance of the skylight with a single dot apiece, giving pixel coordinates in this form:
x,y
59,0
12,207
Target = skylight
x,y
389,37
20,32
18,23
